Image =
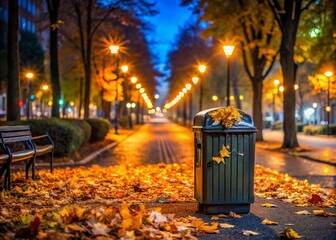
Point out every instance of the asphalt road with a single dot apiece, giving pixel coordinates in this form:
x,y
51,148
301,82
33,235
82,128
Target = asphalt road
x,y
162,141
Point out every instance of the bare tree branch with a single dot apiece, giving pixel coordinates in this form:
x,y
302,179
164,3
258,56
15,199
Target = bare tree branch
x,y
307,5
275,7
271,65
245,61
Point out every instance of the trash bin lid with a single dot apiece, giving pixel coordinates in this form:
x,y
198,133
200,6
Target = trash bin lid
x,y
204,121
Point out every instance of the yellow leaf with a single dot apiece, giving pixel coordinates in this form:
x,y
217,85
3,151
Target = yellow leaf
x,y
214,218
291,234
222,216
211,229
224,153
75,227
125,212
234,215
268,205
303,212
268,222
27,219
218,160
226,225
323,213
249,232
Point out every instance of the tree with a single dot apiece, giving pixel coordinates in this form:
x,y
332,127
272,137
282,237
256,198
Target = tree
x,y
53,6
88,17
251,24
288,16
13,80
31,52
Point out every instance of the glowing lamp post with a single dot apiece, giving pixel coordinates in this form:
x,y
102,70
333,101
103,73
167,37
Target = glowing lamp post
x,y
315,113
228,50
276,83
29,77
114,50
328,108
201,69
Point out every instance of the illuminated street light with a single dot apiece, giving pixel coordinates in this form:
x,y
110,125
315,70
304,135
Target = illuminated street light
x,y
328,75
29,76
188,86
138,86
184,90
195,80
296,86
124,68
156,96
134,80
214,98
202,69
281,88
142,90
114,50
228,50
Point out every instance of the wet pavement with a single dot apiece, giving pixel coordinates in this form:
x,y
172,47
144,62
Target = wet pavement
x,y
158,141
161,141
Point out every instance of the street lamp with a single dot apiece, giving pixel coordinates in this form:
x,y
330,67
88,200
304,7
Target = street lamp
x,y
276,83
315,113
44,89
29,77
202,69
138,86
114,50
328,108
228,50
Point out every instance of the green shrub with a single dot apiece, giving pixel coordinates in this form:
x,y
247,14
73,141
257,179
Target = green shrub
x,y
276,125
124,122
300,126
320,129
100,128
84,125
66,136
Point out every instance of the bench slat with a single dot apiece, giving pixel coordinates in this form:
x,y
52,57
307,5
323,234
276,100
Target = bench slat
x,y
16,134
14,128
16,139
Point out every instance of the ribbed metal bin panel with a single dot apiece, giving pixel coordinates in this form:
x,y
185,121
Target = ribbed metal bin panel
x,y
221,188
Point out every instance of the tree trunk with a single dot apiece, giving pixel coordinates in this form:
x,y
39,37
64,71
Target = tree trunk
x,y
13,81
87,91
289,125
257,85
53,51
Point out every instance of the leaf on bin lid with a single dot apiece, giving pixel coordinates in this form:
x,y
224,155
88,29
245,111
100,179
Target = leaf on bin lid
x,y
214,218
249,232
223,216
268,205
268,222
303,212
227,117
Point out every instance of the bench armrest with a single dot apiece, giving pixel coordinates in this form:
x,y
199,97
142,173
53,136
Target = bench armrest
x,y
46,135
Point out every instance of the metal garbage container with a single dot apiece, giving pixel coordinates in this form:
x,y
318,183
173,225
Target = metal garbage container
x,y
222,187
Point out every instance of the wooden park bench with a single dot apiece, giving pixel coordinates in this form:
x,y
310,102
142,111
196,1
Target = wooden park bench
x,y
18,144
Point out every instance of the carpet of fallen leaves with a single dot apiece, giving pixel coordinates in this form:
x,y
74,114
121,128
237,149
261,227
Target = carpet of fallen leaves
x,y
91,202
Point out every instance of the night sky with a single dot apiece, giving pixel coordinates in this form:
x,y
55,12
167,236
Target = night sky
x,y
166,23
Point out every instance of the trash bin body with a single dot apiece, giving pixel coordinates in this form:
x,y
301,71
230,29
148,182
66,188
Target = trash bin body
x,y
224,187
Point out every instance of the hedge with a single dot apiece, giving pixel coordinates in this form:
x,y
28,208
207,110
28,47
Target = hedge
x,y
278,126
320,129
100,128
66,136
84,125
